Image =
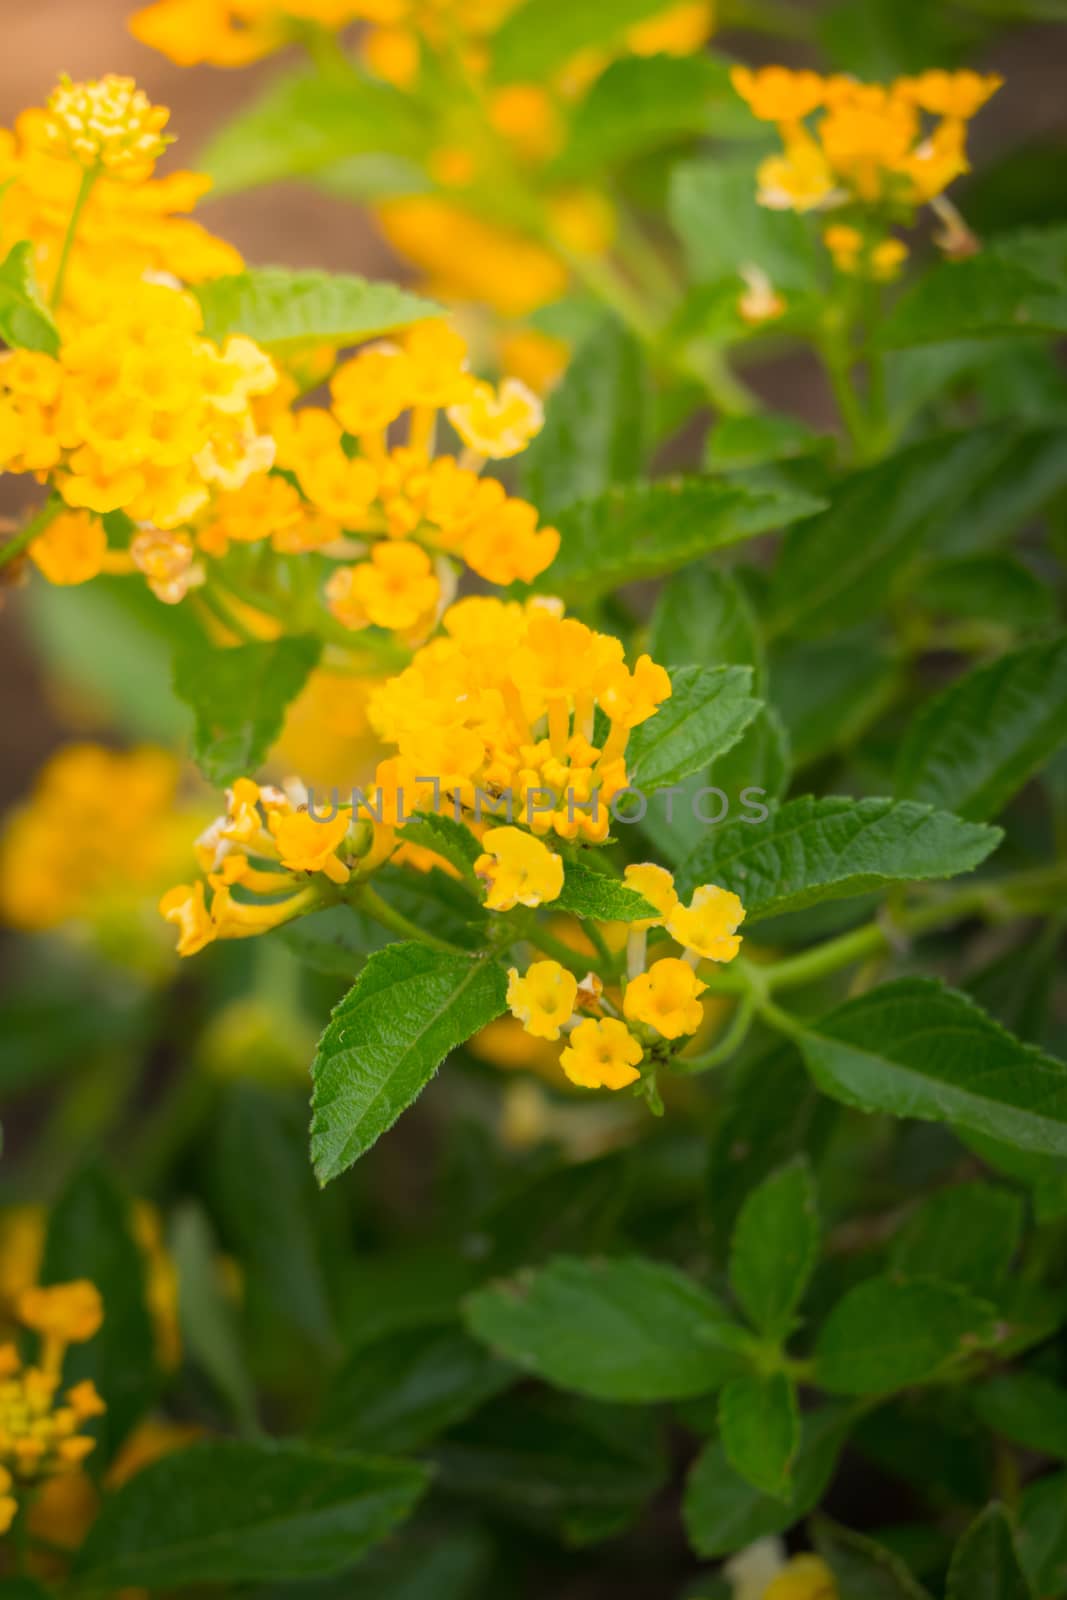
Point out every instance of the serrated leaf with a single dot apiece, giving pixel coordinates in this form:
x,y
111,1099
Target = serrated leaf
x,y
862,1568
541,35
827,577
760,1430
649,528
436,831
284,309
90,1235
228,1512
396,1393
1026,1408
774,1248
714,210
829,691
623,1329
985,1563
708,711
889,1333
974,745
967,1234
304,123
813,850
996,587
704,617
1016,284
724,1513
915,1048
588,893
596,424
25,321
336,940
409,1007
737,443
239,698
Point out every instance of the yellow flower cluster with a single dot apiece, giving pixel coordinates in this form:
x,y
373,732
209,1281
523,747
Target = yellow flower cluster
x,y
883,150
101,832
109,124
139,412
39,1430
765,1571
234,33
659,1002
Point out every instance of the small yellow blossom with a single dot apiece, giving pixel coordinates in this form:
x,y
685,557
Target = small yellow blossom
x,y
498,423
108,123
71,549
602,1054
777,94
68,1313
760,301
544,999
708,925
667,998
800,180
307,844
960,95
184,906
396,588
654,884
518,869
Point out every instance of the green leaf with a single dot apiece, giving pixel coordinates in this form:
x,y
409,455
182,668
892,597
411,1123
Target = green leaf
x,y
437,831
985,1563
760,1430
649,528
588,893
862,1568
974,745
239,698
90,1236
812,850
724,1513
889,1333
336,940
1043,1533
305,122
25,321
736,443
829,691
828,577
917,1049
438,1562
703,616
967,1235
409,1007
1026,1408
22,1589
225,1512
996,587
643,102
708,711
713,207
542,35
616,1330
1016,284
206,1315
285,310
400,1391
596,424
774,1248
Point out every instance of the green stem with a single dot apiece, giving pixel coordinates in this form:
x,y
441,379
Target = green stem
x,y
731,1041
837,364
85,189
212,602
36,525
536,934
367,899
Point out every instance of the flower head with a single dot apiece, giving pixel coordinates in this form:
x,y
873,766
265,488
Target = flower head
x,y
544,999
666,997
185,907
396,588
708,925
602,1054
71,549
654,884
518,869
498,422
108,123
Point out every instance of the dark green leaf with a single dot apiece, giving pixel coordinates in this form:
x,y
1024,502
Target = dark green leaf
x,y
704,617
616,1330
917,1049
542,35
430,1564
643,102
1043,1533
985,1563
286,310
1027,1409
436,831
337,940
774,1248
224,1512
714,209
862,1568
760,1430
596,424
967,1235
828,691
25,321
206,1315
409,1007
588,893
708,711
736,443
1017,284
239,698
995,587
637,532
890,1333
973,746
832,849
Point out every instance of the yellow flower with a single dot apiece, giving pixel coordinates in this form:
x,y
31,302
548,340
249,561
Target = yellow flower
x,y
951,94
681,30
108,123
467,258
539,359
805,1577
372,389
306,844
760,302
543,999
632,697
71,549
800,180
887,258
68,1313
498,423
602,1054
654,884
666,997
777,94
708,925
184,906
506,544
518,869
524,115
395,589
